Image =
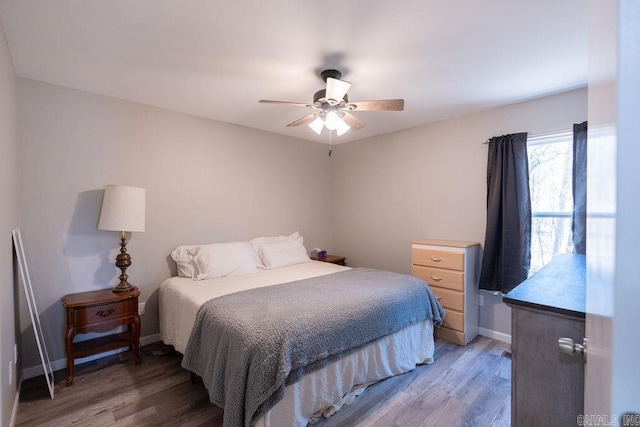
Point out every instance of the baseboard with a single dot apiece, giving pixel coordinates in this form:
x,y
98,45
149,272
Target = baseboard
x,y
16,401
56,365
495,335
149,339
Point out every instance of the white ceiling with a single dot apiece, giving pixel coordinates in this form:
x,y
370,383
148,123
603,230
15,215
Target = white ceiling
x,y
216,59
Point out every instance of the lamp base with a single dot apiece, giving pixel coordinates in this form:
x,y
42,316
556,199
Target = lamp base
x,y
123,260
123,287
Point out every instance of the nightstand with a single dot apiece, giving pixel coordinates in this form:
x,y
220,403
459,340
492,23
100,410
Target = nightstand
x,y
101,311
340,260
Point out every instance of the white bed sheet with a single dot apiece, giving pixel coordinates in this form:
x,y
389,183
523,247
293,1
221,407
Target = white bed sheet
x,y
320,392
181,297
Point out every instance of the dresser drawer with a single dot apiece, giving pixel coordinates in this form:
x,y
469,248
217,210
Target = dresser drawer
x,y
451,335
449,298
454,320
437,258
440,277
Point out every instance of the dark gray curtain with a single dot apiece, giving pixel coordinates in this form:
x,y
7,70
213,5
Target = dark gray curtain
x,y
507,250
579,220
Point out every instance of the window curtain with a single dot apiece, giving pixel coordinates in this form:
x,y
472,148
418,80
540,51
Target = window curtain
x,y
579,220
507,242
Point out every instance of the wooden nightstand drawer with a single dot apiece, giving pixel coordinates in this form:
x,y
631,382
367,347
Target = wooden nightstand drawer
x,y
101,318
449,298
440,277
437,258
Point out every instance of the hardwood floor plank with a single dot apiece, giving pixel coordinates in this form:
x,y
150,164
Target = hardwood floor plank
x,y
467,385
137,418
503,417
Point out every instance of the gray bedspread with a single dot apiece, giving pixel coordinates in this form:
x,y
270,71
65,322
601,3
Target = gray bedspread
x,y
248,345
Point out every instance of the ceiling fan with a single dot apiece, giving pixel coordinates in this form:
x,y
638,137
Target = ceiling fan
x,y
333,106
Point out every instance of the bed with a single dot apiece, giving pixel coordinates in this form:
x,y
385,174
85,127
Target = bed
x,y
313,393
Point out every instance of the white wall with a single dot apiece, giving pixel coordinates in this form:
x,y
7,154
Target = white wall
x,y
430,182
206,181
8,221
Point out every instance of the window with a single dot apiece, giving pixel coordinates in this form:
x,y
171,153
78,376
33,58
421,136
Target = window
x,y
550,185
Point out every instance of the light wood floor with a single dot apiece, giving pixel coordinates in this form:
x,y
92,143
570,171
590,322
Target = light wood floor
x,y
466,386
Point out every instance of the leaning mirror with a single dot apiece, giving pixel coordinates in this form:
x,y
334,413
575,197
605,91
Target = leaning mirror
x,y
33,311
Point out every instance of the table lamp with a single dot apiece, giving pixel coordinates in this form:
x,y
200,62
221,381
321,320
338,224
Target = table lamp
x,y
122,210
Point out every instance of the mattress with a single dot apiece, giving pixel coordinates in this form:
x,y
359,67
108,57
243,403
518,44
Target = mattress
x,y
320,392
180,297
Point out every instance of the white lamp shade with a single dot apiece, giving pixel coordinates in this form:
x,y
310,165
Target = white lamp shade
x,y
317,125
331,120
123,209
342,127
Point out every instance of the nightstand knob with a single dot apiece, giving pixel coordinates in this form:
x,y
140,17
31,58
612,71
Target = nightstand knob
x,y
434,259
436,279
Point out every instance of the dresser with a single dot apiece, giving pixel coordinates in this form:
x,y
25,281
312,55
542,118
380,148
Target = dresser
x,y
451,268
547,385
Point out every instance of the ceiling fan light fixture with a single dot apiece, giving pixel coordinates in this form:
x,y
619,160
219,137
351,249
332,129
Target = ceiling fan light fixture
x,y
333,109
342,127
331,120
317,125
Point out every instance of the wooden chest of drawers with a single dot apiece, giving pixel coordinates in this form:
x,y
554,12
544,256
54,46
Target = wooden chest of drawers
x,y
451,269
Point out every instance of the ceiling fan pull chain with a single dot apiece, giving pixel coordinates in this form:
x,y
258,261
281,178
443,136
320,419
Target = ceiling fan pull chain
x,y
329,143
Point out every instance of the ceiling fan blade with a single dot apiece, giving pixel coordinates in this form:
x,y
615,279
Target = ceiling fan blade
x,y
303,120
299,104
353,122
336,90
379,105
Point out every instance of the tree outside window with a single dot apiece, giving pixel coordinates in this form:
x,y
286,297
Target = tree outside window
x,y
550,179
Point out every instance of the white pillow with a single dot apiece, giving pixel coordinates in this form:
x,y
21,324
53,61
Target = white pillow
x,y
255,243
269,239
282,253
183,257
223,259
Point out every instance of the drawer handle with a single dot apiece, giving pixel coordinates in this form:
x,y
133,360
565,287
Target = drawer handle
x,y
436,279
438,298
434,259
105,313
